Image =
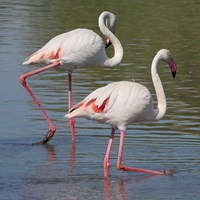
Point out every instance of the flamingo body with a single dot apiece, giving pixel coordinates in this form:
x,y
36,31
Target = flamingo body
x,y
122,103
76,48
118,104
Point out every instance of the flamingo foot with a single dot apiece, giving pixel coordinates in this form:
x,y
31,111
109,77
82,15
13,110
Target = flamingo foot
x,y
164,172
168,172
47,137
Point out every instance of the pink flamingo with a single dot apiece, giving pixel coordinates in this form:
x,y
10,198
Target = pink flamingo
x,y
122,103
77,48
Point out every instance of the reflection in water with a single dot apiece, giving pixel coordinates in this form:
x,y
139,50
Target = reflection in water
x,y
72,158
51,183
51,152
72,155
119,189
107,185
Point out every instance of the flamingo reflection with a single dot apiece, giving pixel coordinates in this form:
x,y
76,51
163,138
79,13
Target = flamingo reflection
x,y
72,155
112,188
120,190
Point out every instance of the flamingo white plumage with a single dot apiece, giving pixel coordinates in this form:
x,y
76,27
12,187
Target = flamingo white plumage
x,y
76,48
122,103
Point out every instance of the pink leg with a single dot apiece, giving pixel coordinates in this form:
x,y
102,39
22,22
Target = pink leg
x,y
107,156
121,167
23,77
71,120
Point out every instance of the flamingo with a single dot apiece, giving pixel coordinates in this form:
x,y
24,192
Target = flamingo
x,y
76,48
122,103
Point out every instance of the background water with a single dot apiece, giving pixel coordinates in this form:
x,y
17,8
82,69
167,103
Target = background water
x,y
61,170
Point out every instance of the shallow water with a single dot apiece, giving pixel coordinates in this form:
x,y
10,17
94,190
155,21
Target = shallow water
x,y
62,170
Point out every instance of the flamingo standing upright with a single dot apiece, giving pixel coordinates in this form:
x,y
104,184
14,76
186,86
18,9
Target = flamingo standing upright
x,y
122,103
76,48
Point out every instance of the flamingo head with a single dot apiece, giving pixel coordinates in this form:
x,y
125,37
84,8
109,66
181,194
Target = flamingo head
x,y
166,56
110,23
172,66
108,43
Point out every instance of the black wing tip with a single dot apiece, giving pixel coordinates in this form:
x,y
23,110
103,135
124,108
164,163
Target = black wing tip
x,y
70,111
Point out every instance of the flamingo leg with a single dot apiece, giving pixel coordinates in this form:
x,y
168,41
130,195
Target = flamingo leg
x,y
107,156
23,77
71,120
124,168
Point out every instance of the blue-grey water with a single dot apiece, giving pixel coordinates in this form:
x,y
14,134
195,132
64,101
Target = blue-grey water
x,y
62,170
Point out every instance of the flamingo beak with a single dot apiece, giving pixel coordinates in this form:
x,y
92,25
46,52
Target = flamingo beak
x,y
174,74
108,43
173,67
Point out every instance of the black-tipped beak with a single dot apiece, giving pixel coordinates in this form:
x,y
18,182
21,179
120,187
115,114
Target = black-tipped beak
x,y
108,43
174,74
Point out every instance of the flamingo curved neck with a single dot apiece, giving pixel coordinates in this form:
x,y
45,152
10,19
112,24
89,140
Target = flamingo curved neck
x,y
161,99
118,50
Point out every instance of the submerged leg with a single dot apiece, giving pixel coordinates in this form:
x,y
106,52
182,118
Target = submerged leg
x,y
71,120
23,77
107,156
124,168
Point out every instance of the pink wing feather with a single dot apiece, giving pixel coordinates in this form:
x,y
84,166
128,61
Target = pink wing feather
x,y
47,53
98,102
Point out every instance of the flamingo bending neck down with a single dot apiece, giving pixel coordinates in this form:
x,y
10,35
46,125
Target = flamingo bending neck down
x,y
122,103
77,48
